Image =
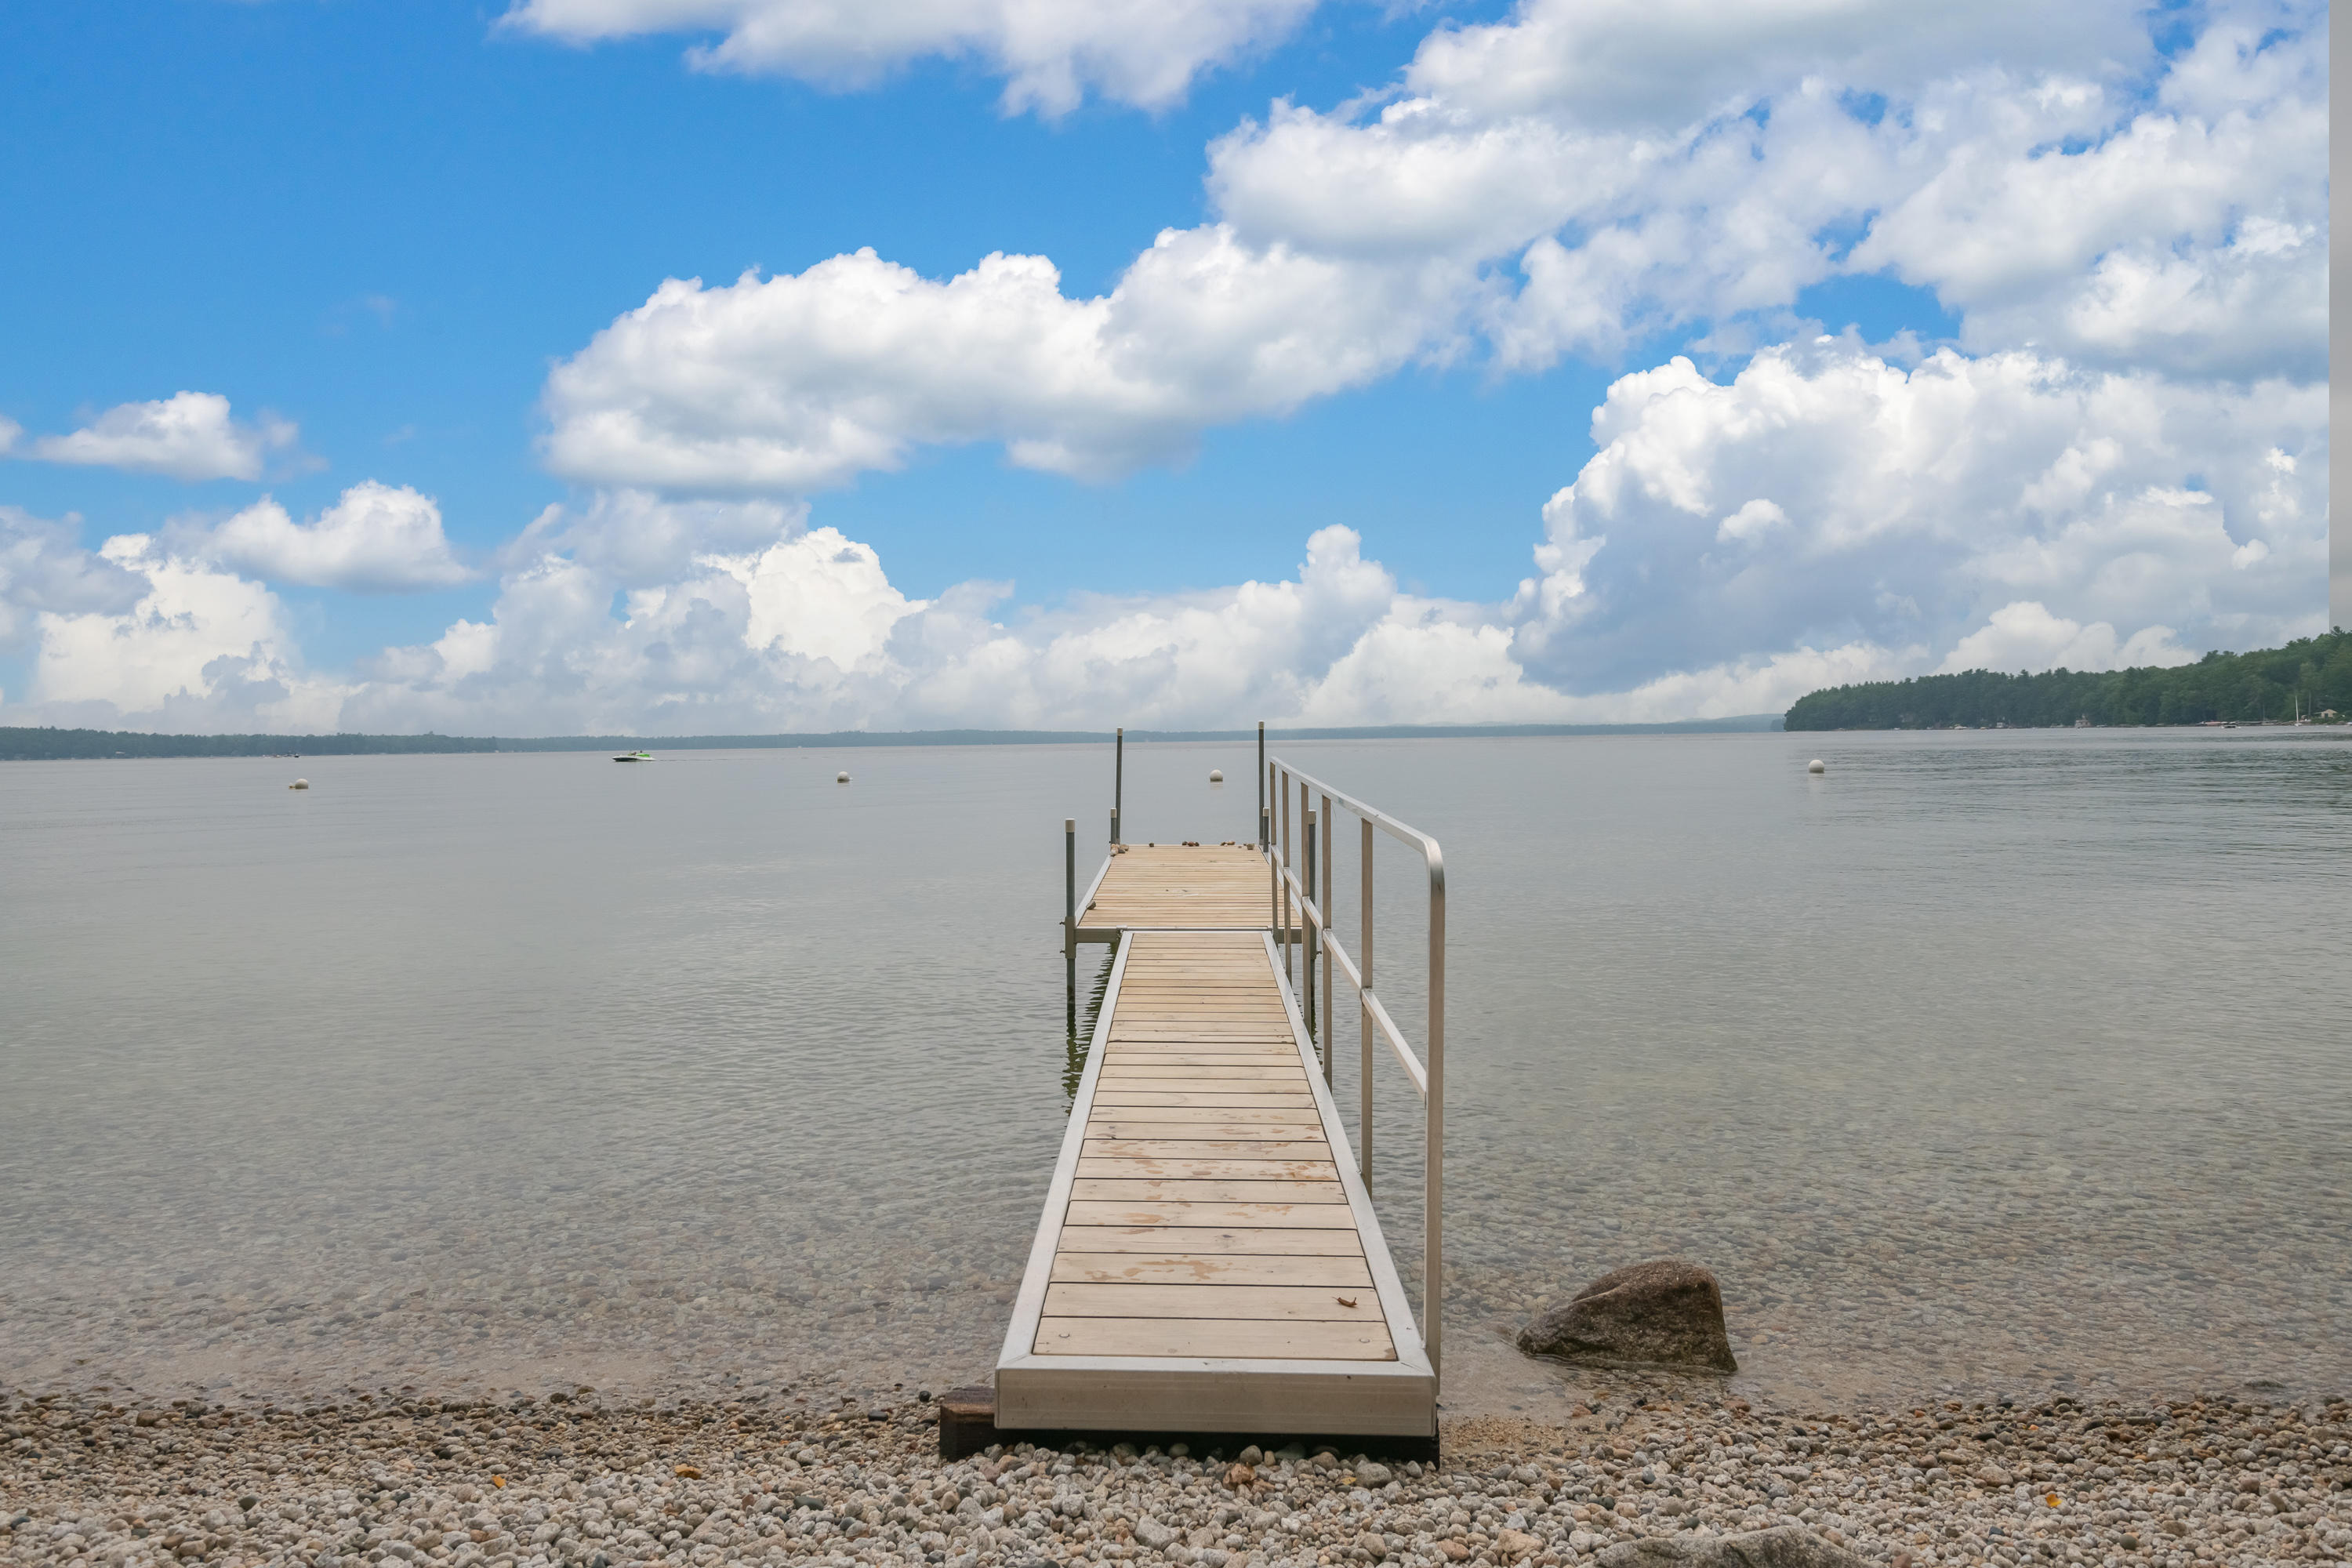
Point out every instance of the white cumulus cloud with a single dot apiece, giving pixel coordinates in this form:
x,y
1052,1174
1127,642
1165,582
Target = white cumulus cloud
x,y
189,436
1050,52
2026,636
1666,63
376,539
197,649
794,383
44,567
1827,497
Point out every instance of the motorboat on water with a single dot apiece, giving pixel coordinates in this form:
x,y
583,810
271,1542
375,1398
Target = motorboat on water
x,y
634,757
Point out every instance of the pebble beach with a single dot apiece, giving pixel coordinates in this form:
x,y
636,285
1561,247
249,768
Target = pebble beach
x,y
572,1481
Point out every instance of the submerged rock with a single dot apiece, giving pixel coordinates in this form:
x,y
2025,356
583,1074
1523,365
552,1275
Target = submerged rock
x,y
1665,1312
1789,1546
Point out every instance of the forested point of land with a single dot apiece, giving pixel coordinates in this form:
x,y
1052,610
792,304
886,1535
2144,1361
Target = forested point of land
x,y
29,744
2269,684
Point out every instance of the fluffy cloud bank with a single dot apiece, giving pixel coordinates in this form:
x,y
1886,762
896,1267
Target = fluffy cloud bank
x,y
1827,496
146,636
1827,514
1050,52
2104,205
189,436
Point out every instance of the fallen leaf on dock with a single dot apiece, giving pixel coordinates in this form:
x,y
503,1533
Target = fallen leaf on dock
x,y
1345,1301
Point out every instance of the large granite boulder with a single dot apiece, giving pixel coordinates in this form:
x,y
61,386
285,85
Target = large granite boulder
x,y
1663,1313
1789,1546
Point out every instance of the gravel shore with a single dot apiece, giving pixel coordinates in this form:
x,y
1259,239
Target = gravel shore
x,y
572,1481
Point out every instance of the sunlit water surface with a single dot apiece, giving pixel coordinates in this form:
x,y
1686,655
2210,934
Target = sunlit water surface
x,y
1982,1063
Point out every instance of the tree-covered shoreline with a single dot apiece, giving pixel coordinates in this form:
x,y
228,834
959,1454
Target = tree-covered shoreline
x,y
2262,686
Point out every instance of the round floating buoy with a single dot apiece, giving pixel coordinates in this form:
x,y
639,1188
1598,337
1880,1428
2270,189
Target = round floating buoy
x,y
841,778
300,783
1216,776
1817,766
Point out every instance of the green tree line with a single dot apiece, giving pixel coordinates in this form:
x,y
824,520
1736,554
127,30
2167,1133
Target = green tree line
x,y
30,744
2246,687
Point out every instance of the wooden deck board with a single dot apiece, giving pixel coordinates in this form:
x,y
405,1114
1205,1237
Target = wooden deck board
x,y
1198,1241
1206,1246
1255,1338
1203,1148
1343,1273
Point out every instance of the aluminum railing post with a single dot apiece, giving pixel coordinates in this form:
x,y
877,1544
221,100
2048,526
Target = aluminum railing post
x,y
1364,1009
1432,1261
1289,857
1118,778
1273,872
1323,902
1307,939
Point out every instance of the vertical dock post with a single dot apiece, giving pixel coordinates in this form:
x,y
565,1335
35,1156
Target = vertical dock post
x,y
1309,941
1323,902
1432,1181
1289,864
1070,914
1261,780
1273,874
1364,1014
1118,778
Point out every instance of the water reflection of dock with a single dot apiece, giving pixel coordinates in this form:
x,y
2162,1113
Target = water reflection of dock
x,y
1209,1259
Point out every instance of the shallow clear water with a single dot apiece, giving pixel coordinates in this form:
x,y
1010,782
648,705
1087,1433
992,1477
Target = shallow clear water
x,y
1982,1063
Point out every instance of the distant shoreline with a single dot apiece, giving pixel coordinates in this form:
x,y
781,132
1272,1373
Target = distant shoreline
x,y
2310,678
25,744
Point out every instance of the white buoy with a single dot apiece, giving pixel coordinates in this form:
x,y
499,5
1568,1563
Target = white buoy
x,y
841,778
1817,766
300,783
1216,776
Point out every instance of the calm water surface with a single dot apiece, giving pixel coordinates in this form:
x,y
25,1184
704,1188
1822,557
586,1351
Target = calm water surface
x,y
1981,1064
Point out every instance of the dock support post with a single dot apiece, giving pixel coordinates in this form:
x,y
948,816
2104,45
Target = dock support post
x,y
1070,915
1364,1016
1308,939
1261,783
1273,873
1118,778
1289,864
1432,1233
1323,902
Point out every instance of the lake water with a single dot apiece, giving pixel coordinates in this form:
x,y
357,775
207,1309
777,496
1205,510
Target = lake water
x,y
1982,1064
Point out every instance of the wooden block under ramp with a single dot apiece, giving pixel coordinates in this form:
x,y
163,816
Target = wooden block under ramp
x,y
967,1421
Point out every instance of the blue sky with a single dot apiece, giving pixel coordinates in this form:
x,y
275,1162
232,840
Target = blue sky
x,y
390,225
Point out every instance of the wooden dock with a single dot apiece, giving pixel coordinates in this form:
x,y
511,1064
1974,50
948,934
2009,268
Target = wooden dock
x,y
1171,887
1208,1259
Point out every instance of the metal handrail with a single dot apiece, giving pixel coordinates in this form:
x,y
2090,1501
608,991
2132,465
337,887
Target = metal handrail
x,y
1315,939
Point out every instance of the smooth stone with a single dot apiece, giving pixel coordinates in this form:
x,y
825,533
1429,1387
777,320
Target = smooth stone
x,y
1665,1312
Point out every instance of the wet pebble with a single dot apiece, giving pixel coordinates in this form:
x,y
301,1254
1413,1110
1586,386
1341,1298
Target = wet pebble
x,y
575,1482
